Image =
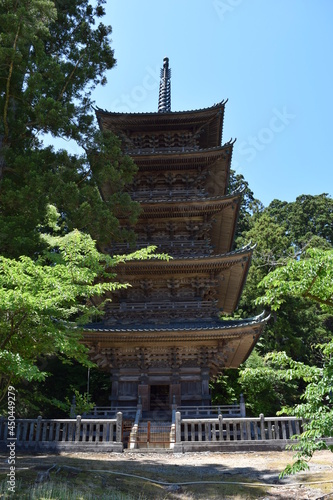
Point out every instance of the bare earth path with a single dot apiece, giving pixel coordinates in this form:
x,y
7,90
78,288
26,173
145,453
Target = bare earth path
x,y
188,476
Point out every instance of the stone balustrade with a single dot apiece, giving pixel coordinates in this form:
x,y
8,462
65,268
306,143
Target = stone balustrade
x,y
182,434
65,434
194,434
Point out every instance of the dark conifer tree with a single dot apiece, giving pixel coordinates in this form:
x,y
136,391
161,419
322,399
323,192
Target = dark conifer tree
x,y
52,57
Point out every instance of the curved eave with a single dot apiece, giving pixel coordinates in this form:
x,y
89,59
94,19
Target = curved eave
x,y
230,269
186,263
167,155
124,124
216,161
230,327
224,209
210,205
156,117
227,345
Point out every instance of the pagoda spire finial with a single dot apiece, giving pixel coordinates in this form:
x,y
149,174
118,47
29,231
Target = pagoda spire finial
x,y
164,98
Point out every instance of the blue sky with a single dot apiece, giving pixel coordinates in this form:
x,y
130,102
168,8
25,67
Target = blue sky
x,y
271,58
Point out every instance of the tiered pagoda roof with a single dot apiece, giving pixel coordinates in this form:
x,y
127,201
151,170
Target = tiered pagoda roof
x,y
199,129
169,319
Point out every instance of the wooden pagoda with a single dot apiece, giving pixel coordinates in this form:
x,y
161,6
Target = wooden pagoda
x,y
162,339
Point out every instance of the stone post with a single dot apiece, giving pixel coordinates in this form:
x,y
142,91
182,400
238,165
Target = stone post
x,y
220,427
178,427
262,426
78,428
38,428
119,427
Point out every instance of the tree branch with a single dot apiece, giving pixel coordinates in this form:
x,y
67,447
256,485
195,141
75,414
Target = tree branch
x,y
326,302
11,67
4,391
70,77
13,330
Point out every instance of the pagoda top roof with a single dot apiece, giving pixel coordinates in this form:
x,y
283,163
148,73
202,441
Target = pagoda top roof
x,y
206,123
165,116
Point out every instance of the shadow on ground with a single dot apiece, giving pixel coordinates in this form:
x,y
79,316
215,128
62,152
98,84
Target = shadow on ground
x,y
148,476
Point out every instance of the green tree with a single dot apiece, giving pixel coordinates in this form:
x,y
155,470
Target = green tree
x,y
44,303
53,54
299,324
271,247
316,407
265,387
306,217
310,277
250,206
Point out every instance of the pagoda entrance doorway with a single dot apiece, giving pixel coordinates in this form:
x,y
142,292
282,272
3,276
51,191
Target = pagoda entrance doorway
x,y
159,397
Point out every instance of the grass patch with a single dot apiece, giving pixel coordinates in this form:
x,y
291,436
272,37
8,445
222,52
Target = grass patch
x,y
54,491
89,485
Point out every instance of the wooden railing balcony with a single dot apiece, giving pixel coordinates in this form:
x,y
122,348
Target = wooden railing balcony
x,y
234,410
174,247
109,412
165,305
151,194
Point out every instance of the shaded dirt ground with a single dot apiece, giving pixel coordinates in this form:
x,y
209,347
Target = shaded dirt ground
x,y
204,475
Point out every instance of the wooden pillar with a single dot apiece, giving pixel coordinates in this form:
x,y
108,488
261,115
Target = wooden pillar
x,y
175,385
114,389
205,387
143,393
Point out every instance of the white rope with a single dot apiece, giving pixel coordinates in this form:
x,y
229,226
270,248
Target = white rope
x,y
163,483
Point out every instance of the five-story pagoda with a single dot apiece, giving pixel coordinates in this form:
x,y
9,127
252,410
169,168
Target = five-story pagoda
x,y
162,339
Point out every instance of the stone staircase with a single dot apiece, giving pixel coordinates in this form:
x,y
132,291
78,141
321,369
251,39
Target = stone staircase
x,y
150,434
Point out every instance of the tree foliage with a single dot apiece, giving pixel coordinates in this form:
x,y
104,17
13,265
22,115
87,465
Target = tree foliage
x,y
316,407
250,206
283,240
306,217
265,387
309,277
45,302
299,324
53,54
52,57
